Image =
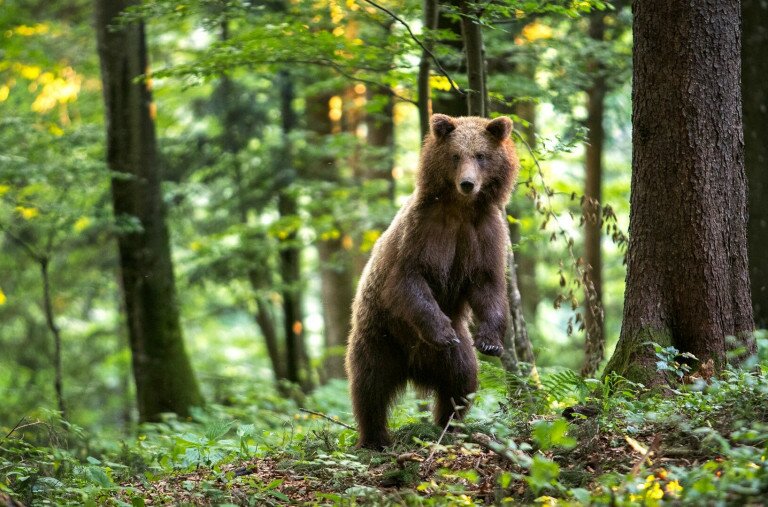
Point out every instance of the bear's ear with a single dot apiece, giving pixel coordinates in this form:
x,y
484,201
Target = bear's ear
x,y
500,128
442,125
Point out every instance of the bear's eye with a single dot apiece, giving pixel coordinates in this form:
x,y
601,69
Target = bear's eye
x,y
480,156
455,158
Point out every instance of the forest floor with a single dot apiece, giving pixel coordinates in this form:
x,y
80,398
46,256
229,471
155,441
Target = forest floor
x,y
564,441
460,473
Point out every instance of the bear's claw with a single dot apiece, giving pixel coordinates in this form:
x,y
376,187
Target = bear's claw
x,y
490,350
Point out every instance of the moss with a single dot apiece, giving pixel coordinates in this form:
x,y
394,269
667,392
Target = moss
x,y
635,360
428,432
401,477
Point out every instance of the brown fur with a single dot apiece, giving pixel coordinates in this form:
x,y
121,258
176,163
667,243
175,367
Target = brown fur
x,y
442,259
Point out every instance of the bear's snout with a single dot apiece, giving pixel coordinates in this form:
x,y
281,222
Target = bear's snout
x,y
468,179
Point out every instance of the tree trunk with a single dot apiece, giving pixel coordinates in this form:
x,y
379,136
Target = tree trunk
x,y
523,291
381,137
594,345
687,278
477,96
50,320
338,291
336,267
431,14
477,105
755,103
450,102
290,252
163,374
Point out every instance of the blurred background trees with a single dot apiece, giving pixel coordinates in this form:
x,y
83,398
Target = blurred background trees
x,y
287,135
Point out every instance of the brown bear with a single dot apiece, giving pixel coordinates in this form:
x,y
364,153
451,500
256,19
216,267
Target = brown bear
x,y
443,255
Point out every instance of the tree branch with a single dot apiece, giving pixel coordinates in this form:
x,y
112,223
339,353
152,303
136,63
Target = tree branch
x,y
381,86
26,246
417,41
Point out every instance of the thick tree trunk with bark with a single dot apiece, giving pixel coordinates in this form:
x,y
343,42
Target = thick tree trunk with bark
x,y
687,278
163,374
755,103
450,102
594,346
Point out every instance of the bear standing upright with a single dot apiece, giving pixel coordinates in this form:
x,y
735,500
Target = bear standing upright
x,y
441,260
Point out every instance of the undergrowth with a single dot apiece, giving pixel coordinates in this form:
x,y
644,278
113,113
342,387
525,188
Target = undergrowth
x,y
565,441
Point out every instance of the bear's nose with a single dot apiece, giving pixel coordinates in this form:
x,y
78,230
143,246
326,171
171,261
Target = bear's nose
x,y
467,186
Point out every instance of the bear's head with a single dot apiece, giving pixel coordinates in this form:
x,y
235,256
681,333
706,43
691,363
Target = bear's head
x,y
468,159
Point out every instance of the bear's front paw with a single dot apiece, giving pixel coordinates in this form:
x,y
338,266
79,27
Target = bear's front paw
x,y
489,346
449,338
445,337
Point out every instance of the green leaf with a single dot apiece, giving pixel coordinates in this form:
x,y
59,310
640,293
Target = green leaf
x,y
555,434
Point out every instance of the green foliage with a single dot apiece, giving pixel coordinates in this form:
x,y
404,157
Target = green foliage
x,y
722,424
670,360
548,435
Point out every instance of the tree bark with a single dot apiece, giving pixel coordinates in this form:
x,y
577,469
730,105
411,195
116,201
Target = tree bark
x,y
336,267
290,252
431,14
338,291
477,96
477,105
381,137
164,378
755,103
687,278
594,345
451,102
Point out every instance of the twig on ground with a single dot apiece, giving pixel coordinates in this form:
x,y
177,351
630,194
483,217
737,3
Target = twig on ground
x,y
402,459
434,447
489,444
328,418
651,450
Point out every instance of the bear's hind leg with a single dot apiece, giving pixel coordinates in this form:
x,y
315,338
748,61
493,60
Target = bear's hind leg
x,y
459,381
374,385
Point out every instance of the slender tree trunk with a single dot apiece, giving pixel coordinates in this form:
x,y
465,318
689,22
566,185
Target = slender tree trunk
x,y
687,278
477,96
337,294
381,137
594,346
451,102
477,105
431,15
523,291
755,103
290,251
162,371
230,116
50,319
267,325
336,267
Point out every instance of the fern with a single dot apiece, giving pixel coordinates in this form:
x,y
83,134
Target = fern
x,y
564,384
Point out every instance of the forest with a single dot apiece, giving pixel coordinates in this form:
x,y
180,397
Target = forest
x,y
190,192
